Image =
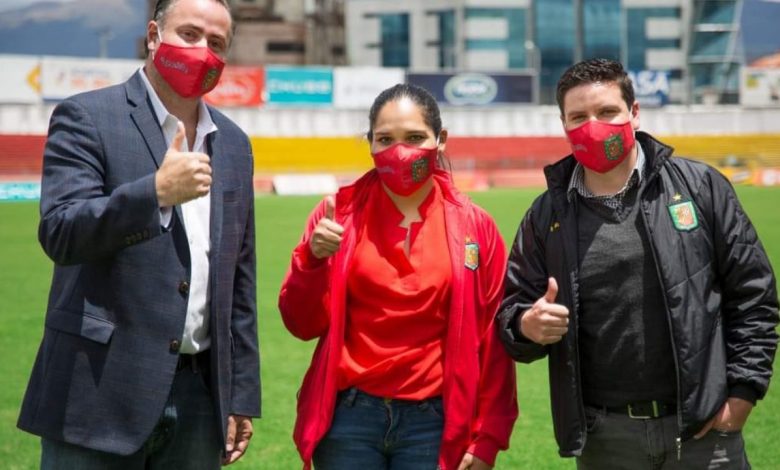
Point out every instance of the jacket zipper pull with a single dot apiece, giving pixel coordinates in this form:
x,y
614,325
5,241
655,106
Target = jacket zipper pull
x,y
679,448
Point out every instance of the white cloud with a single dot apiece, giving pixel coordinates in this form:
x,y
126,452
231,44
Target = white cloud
x,y
17,4
95,13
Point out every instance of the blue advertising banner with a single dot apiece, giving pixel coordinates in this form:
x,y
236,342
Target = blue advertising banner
x,y
294,86
651,87
476,89
20,191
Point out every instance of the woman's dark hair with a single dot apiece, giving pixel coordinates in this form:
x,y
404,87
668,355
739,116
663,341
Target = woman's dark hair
x,y
419,95
594,71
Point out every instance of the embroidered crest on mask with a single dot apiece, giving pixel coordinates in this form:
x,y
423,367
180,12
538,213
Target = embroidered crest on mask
x,y
613,147
208,80
420,170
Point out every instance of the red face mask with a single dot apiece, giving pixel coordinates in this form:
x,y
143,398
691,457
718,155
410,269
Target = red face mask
x,y
404,168
190,71
600,146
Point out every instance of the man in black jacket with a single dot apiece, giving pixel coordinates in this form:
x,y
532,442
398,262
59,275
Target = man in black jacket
x,y
641,277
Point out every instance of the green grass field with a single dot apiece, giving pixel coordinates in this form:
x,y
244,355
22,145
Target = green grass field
x,y
25,273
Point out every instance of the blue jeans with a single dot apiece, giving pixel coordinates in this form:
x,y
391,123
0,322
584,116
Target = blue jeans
x,y
186,436
372,433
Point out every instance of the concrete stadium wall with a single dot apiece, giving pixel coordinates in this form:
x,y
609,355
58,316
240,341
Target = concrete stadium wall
x,y
759,149
351,154
21,154
497,140
462,122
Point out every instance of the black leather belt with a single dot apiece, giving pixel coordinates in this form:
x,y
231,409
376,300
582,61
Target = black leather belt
x,y
644,409
195,362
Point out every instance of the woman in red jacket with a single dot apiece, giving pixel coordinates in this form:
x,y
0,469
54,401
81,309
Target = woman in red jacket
x,y
399,277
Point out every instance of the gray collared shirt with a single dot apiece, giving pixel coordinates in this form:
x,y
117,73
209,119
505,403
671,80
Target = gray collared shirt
x,y
612,201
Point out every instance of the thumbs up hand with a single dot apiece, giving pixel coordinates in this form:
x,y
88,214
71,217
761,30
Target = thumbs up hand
x,y
545,322
183,176
326,238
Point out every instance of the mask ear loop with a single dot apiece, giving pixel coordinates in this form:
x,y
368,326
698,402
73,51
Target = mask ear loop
x,y
442,162
159,41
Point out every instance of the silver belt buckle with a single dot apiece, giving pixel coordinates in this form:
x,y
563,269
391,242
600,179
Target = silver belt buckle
x,y
636,416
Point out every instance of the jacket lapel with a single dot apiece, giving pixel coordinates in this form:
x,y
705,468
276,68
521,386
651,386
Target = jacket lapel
x,y
144,118
218,175
145,121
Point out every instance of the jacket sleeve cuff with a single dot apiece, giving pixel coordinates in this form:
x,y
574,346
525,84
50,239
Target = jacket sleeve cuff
x,y
743,391
307,259
514,328
484,448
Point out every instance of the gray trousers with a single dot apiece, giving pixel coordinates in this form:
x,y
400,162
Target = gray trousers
x,y
186,437
615,441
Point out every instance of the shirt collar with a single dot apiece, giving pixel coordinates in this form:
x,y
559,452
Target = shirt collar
x,y
394,216
577,181
205,123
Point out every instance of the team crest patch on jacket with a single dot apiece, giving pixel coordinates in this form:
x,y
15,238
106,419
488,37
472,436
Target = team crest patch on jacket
x,y
472,256
684,216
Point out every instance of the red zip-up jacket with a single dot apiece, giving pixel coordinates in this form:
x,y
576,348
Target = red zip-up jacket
x,y
479,389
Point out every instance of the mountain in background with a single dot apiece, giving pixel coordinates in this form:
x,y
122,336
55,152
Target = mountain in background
x,y
73,28
760,20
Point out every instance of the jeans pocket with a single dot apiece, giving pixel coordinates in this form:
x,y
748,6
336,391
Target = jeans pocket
x,y
594,417
433,406
348,398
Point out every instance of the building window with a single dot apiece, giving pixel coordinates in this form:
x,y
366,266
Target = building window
x,y
638,43
711,44
555,39
514,44
280,47
447,48
601,29
717,12
395,40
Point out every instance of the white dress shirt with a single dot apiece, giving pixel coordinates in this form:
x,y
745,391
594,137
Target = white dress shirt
x,y
197,215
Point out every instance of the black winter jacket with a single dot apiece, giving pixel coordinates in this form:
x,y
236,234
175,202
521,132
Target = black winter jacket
x,y
719,289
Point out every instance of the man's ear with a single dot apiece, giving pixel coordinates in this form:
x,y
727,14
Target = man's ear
x,y
152,36
635,115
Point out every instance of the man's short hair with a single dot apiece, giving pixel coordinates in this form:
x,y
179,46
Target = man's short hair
x,y
594,71
162,7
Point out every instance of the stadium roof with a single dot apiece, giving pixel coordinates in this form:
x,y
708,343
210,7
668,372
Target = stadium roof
x,y
772,60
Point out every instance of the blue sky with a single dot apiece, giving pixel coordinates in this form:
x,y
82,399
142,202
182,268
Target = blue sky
x,y
21,35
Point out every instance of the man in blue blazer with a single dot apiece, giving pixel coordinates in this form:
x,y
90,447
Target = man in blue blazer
x,y
149,355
